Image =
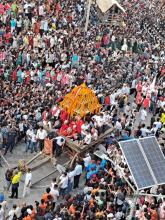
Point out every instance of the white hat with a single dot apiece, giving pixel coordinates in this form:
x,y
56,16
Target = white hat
x,y
102,180
29,211
110,215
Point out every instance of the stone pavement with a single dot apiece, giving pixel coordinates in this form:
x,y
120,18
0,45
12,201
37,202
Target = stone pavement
x,y
37,191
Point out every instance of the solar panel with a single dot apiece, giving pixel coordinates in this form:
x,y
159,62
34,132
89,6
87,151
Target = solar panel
x,y
137,164
155,157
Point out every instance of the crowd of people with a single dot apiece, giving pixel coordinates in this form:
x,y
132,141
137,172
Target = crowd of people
x,y
44,53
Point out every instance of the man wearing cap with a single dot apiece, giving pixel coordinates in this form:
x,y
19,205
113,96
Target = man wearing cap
x,y
15,184
58,144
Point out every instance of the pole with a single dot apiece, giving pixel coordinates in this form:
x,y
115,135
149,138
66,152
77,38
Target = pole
x,y
152,195
5,160
88,13
133,205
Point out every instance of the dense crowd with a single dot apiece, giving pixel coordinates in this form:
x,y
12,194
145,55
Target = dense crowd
x,y
44,53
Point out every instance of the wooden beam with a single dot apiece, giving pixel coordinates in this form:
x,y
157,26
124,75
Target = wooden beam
x,y
42,178
81,148
1,155
49,174
39,163
33,158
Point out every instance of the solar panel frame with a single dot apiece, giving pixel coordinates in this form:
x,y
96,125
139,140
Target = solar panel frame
x,y
158,164
144,173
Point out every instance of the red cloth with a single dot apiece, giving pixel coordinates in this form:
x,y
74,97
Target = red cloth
x,y
54,111
7,6
8,37
1,71
59,99
146,102
27,80
48,77
58,7
69,18
78,125
37,28
162,71
98,45
44,115
30,38
64,115
2,55
72,123
107,100
139,98
139,87
14,75
105,40
1,41
2,9
63,129
71,133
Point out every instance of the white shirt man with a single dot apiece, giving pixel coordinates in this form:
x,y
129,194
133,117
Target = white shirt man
x,y
134,82
87,160
54,192
33,138
145,132
60,141
41,10
41,134
127,110
21,126
124,47
19,23
125,89
84,128
63,181
78,170
29,133
87,189
158,124
143,115
112,99
27,6
27,184
25,117
88,138
12,212
154,130
71,175
118,125
100,121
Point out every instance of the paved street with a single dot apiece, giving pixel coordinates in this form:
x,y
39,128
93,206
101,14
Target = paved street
x,y
37,191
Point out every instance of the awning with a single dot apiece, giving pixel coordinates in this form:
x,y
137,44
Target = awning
x,y
105,5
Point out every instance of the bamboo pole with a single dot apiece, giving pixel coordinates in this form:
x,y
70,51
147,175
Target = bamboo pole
x,y
88,14
1,155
